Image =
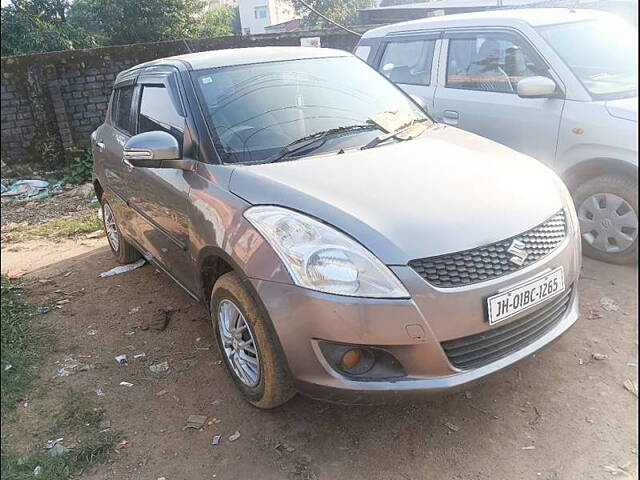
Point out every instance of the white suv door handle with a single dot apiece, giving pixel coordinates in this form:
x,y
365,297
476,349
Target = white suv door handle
x,y
450,117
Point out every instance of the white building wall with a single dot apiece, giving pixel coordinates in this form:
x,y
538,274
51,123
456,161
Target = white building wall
x,y
248,21
281,11
277,11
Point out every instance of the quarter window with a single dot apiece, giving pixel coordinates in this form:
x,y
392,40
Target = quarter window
x,y
408,62
490,62
122,117
157,112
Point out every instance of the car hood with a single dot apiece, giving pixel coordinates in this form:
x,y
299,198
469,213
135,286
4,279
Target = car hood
x,y
447,191
625,108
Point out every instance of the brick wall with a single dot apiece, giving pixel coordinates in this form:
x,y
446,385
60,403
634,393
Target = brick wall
x,y
51,102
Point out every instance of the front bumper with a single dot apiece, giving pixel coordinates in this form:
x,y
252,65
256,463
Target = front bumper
x,y
411,330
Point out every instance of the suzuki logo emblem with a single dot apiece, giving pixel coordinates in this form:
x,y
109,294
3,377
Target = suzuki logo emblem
x,y
519,252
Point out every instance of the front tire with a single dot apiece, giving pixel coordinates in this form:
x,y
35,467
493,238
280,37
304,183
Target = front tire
x,y
607,208
248,345
121,249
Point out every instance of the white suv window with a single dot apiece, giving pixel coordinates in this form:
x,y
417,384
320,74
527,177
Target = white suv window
x,y
491,62
408,62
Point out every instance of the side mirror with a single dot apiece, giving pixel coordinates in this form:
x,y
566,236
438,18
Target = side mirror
x,y
154,150
536,87
420,101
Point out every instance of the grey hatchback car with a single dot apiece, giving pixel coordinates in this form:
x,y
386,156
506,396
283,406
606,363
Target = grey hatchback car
x,y
346,246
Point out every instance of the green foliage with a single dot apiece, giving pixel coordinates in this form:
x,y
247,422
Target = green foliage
x,y
19,346
51,152
219,21
342,12
79,168
120,22
33,26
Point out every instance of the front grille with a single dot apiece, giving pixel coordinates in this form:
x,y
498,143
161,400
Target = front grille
x,y
483,348
491,261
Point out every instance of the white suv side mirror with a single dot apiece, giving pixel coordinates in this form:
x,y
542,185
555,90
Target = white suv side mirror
x,y
536,87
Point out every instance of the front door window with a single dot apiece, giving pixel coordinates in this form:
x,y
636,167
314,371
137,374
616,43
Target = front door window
x,y
492,62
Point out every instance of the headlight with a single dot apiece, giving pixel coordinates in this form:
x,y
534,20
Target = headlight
x,y
320,258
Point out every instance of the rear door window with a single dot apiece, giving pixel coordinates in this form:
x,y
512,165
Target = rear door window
x,y
408,62
157,112
122,113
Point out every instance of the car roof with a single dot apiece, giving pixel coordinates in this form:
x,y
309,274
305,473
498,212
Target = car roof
x,y
238,56
493,18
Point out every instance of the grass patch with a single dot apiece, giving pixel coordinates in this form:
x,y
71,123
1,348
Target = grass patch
x,y
75,414
63,227
75,420
60,467
79,425
20,346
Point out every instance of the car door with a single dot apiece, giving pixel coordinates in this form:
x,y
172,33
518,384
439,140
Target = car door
x,y
109,145
477,91
160,196
408,61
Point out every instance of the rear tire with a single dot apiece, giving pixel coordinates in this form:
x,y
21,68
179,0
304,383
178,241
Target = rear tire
x,y
273,385
592,199
121,249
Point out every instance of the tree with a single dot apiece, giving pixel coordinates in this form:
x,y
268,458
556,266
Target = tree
x,y
120,22
219,21
343,12
33,26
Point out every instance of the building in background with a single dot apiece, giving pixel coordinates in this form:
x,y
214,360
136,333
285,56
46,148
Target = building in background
x,y
257,15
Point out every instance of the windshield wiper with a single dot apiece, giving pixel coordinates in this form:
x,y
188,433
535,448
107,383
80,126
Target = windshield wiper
x,y
398,133
316,140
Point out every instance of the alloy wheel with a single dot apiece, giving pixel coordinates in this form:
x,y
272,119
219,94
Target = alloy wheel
x,y
113,236
608,222
238,343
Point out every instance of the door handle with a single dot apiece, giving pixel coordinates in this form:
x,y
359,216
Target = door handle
x,y
100,145
450,117
127,164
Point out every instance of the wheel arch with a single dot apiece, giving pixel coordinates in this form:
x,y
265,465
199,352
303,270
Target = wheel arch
x,y
97,188
213,262
595,167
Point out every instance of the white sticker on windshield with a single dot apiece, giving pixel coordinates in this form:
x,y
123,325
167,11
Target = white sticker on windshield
x,y
206,80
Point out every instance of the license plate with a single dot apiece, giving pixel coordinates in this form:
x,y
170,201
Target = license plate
x,y
525,295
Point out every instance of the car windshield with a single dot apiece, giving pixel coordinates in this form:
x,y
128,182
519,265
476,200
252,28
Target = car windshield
x,y
603,54
254,111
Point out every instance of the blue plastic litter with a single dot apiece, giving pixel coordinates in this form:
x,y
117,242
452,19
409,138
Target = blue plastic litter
x,y
30,189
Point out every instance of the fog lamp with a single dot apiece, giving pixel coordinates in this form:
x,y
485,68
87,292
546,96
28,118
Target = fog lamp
x,y
357,361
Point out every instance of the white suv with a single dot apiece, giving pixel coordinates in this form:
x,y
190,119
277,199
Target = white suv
x,y
560,85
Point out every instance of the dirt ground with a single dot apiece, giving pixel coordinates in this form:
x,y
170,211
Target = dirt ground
x,y
71,200
558,415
